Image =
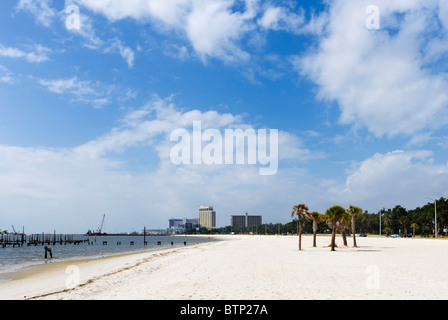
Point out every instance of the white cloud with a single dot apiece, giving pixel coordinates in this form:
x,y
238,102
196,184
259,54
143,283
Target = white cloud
x,y
281,18
160,117
93,93
443,13
420,139
443,143
399,177
86,30
316,24
378,77
214,28
100,103
126,52
68,86
41,9
128,55
37,56
44,14
69,189
178,52
5,75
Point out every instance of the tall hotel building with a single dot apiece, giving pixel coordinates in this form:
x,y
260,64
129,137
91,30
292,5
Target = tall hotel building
x,y
245,221
207,217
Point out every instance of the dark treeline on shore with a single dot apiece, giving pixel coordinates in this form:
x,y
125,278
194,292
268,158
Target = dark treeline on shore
x,y
397,220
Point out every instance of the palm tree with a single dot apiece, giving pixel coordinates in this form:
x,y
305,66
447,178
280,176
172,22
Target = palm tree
x,y
404,223
301,211
388,222
353,211
343,225
414,226
333,216
317,218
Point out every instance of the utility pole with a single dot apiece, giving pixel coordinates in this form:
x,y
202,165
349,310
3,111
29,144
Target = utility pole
x,y
380,212
435,216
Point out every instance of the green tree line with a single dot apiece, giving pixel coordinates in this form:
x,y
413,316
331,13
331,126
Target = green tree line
x,y
397,220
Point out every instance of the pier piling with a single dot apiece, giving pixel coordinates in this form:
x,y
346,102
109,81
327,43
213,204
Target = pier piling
x,y
48,250
19,240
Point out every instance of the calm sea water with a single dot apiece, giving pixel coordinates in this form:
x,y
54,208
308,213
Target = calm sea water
x,y
15,259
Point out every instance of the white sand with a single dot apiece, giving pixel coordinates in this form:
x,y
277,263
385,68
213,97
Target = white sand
x,y
254,268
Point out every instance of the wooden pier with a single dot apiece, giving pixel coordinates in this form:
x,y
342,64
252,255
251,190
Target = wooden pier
x,y
20,240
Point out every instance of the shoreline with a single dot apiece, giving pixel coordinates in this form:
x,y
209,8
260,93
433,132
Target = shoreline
x,y
52,277
13,271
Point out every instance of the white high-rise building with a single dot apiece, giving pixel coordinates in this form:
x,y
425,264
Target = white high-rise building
x,y
207,217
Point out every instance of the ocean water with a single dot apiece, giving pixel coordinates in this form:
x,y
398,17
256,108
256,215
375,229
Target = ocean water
x,y
18,258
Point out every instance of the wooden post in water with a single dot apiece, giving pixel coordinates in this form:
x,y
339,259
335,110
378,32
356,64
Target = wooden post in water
x,y
144,236
48,250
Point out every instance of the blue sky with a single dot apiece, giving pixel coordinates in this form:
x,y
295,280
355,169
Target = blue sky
x,y
86,114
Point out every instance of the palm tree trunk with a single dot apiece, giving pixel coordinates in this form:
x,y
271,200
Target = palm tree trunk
x,y
333,239
353,232
344,238
314,233
300,235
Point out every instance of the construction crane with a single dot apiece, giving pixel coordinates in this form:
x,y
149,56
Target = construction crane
x,y
102,224
99,232
13,229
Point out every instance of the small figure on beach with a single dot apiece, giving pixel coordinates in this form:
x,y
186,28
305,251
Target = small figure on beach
x,y
48,250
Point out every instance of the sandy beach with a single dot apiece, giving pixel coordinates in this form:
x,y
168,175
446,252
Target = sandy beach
x,y
249,268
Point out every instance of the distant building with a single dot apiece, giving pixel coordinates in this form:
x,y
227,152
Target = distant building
x,y
238,221
190,223
174,223
207,217
245,220
185,224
